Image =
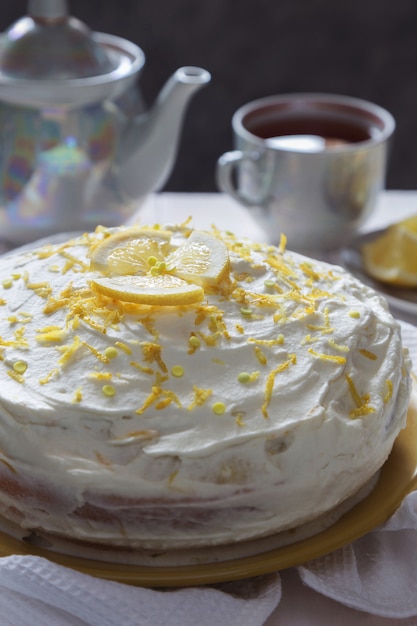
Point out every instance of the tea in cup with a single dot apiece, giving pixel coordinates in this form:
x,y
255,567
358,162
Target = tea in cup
x,y
312,164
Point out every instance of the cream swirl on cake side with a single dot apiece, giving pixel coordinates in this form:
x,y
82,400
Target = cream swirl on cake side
x,y
264,405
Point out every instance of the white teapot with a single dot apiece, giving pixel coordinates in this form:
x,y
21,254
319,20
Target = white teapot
x,y
77,148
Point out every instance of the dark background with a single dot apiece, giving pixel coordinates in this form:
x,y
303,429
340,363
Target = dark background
x,y
254,48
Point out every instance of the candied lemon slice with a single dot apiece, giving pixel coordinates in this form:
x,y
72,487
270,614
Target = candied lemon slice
x,y
202,259
392,257
128,251
164,289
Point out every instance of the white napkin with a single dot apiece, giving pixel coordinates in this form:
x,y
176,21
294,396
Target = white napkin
x,y
36,591
377,574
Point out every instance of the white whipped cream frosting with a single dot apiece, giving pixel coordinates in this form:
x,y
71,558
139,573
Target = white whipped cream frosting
x,y
201,457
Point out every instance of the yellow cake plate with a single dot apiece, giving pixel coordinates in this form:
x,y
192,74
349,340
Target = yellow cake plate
x,y
397,478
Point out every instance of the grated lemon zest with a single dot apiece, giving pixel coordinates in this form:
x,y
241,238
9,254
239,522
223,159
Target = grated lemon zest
x,y
270,381
328,357
368,355
200,397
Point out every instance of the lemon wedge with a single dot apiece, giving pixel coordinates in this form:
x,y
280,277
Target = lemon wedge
x,y
165,289
202,259
392,257
128,251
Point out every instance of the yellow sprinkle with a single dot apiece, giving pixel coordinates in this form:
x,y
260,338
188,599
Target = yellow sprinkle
x,y
7,283
20,367
244,377
240,329
218,408
194,341
108,390
152,260
53,268
177,371
368,355
110,352
354,314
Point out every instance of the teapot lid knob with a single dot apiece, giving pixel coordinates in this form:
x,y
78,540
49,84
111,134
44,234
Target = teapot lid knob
x,y
47,9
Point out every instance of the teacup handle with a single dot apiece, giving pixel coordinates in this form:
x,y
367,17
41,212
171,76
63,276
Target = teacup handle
x,y
226,166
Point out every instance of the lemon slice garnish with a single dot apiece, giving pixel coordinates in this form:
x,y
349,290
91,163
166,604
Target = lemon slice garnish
x,y
140,265
164,289
202,259
128,251
392,257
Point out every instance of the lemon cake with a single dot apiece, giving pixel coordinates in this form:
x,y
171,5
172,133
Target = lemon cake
x,y
165,387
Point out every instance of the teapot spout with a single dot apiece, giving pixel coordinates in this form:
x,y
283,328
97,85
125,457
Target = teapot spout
x,y
149,143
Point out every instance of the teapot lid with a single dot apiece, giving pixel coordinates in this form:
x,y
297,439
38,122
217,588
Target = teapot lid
x,y
50,58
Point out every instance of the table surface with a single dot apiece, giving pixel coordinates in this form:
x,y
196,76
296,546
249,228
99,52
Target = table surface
x,y
299,606
217,208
